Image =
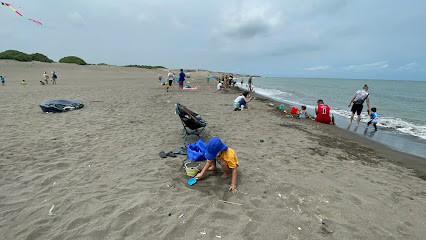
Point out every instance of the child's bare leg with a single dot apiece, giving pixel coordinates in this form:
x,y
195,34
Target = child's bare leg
x,y
226,169
213,166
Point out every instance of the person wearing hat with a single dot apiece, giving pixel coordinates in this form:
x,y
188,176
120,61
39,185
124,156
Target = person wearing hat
x,y
226,157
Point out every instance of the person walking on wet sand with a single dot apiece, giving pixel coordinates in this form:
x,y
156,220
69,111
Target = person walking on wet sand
x,y
250,82
358,101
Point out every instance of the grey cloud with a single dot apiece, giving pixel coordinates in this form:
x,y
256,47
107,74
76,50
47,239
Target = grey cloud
x,y
249,29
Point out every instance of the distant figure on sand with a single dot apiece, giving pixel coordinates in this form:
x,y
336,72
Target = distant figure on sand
x,y
303,113
171,77
250,82
160,77
241,101
181,79
54,77
2,80
41,82
208,79
46,77
374,119
242,81
358,100
23,83
322,112
226,157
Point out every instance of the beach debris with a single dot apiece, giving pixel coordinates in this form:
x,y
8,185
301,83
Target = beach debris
x,y
8,5
54,183
181,216
271,104
152,210
218,236
299,228
231,202
279,194
203,233
262,140
50,211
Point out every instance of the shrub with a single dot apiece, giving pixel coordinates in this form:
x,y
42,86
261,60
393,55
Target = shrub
x,y
72,59
102,64
40,57
15,55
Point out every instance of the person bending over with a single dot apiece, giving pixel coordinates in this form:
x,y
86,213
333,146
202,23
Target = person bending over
x,y
323,114
241,101
303,113
226,157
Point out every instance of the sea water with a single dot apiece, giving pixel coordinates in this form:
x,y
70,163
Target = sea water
x,y
401,105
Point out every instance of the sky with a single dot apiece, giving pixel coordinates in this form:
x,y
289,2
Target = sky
x,y
377,39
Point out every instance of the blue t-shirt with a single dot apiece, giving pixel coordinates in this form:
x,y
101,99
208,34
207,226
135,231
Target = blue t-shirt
x,y
373,115
181,76
2,79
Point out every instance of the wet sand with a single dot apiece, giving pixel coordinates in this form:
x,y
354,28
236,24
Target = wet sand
x,y
100,168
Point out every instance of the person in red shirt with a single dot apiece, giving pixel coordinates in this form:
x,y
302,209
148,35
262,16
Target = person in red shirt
x,y
322,112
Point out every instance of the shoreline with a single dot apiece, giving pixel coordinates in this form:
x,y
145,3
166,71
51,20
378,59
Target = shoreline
x,y
414,162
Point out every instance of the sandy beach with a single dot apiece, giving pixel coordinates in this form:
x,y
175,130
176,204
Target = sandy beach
x,y
100,168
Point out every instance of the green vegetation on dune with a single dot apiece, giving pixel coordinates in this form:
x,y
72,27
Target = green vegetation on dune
x,y
40,57
72,59
145,66
23,57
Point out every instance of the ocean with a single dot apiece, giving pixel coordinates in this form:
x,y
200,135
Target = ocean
x,y
401,105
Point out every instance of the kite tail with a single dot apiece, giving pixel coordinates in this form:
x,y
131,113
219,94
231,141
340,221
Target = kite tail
x,y
8,5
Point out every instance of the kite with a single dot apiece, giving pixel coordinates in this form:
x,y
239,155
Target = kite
x,y
8,5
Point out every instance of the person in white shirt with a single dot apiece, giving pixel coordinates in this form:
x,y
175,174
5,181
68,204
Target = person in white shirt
x,y
358,101
219,86
171,77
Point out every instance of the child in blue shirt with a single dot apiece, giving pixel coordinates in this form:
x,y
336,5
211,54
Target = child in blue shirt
x,y
374,119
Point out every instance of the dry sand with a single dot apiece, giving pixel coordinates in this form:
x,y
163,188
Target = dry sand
x,y
99,166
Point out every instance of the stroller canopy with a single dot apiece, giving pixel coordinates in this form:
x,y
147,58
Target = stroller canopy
x,y
60,105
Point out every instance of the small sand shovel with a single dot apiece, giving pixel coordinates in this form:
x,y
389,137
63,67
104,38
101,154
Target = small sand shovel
x,y
192,181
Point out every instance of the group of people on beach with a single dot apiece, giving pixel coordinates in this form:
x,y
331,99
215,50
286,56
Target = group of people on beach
x,y
171,77
323,115
45,79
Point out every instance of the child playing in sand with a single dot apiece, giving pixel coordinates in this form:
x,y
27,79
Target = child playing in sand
x,y
2,80
226,157
303,113
46,77
374,119
23,83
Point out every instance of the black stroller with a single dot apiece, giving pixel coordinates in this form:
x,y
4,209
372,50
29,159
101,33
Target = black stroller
x,y
192,123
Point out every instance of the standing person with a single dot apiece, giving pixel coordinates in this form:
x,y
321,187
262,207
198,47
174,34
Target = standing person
x,y
46,77
322,112
181,79
2,80
160,77
54,77
208,79
250,82
242,81
171,77
358,100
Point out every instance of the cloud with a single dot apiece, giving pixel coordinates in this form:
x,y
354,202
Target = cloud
x,y
250,21
75,17
319,68
368,66
408,66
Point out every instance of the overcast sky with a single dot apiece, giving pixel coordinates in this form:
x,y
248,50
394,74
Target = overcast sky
x,y
300,38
